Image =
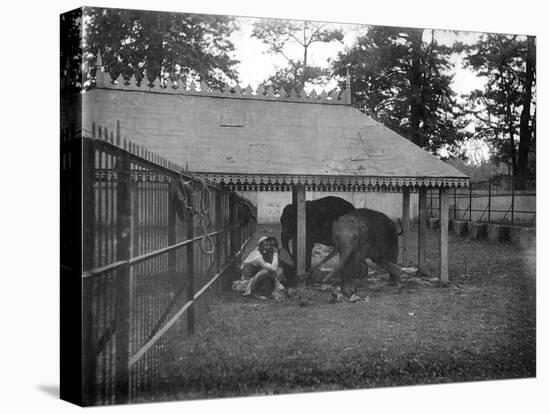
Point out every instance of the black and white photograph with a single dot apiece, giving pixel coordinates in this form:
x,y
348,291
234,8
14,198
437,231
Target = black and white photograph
x,y
273,206
288,207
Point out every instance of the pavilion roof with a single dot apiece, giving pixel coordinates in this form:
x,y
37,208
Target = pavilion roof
x,y
265,141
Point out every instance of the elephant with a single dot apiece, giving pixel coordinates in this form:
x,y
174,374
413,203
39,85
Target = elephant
x,y
362,234
320,214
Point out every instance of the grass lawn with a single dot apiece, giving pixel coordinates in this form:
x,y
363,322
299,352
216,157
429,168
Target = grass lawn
x,y
480,327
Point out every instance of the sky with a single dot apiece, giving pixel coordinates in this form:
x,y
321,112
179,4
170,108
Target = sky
x,y
256,65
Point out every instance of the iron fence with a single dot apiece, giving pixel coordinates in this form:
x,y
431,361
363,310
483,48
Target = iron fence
x,y
146,277
493,201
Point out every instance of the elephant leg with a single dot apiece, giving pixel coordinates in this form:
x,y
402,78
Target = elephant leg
x,y
390,267
353,271
364,268
342,268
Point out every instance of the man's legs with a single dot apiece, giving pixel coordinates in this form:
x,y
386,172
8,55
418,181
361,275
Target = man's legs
x,y
264,281
255,281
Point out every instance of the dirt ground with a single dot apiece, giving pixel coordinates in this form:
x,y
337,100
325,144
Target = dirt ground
x,y
480,327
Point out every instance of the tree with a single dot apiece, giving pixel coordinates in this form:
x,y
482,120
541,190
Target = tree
x,y
278,34
71,48
404,82
157,44
505,109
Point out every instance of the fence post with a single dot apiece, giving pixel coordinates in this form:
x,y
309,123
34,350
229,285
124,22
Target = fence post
x,y
88,332
189,234
489,203
122,285
513,199
470,207
422,229
443,236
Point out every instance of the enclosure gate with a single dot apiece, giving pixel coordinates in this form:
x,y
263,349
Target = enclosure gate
x,y
145,280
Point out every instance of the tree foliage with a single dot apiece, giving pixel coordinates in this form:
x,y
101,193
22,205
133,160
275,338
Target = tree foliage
x,y
71,48
505,109
150,44
404,81
278,34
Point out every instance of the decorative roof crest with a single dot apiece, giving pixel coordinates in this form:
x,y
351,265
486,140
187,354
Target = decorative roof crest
x,y
103,80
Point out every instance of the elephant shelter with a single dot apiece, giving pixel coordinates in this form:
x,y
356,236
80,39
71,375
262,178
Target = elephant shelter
x,y
239,140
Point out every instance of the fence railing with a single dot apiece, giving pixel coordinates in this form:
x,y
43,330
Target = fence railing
x,y
484,201
146,278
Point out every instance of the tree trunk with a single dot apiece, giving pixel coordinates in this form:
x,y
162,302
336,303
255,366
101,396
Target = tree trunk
x,y
304,67
415,79
524,130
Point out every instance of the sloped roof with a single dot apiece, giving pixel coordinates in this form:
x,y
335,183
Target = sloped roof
x,y
255,139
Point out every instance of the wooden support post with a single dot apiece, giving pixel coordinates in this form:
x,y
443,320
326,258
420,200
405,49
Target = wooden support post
x,y
231,221
405,223
300,229
454,205
219,227
422,198
444,236
122,284
189,234
292,245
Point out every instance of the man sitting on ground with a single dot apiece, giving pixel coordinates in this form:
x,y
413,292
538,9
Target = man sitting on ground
x,y
286,264
260,271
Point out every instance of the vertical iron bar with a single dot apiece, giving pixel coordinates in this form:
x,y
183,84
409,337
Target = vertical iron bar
x,y
190,274
171,233
122,279
100,220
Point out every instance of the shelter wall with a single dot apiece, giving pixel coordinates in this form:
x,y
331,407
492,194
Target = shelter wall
x,y
270,204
